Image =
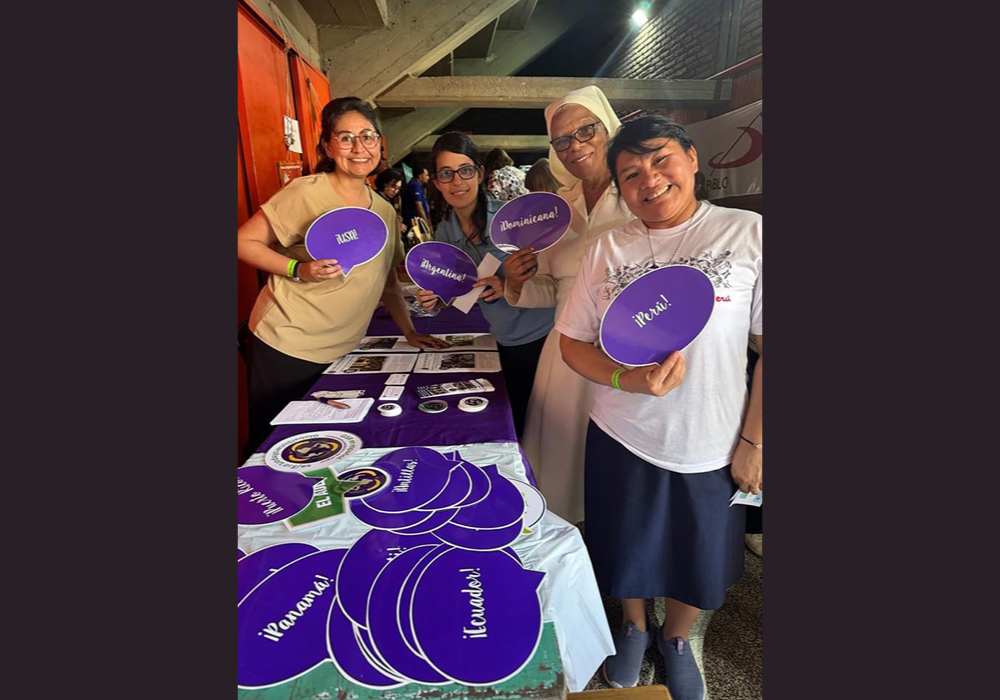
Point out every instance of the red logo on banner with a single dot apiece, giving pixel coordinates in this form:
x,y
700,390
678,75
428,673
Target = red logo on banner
x,y
752,154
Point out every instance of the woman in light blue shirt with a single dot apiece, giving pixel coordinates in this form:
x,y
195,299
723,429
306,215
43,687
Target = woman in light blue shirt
x,y
520,333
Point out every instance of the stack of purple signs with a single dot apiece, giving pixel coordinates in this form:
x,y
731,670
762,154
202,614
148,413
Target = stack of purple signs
x,y
433,594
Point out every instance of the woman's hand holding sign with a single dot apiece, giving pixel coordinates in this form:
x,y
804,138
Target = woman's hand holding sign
x,y
655,380
319,270
520,267
427,299
495,290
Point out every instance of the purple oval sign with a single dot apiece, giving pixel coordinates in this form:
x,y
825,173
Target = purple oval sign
x,y
479,540
656,314
476,616
268,496
442,268
281,625
350,235
345,649
503,507
418,476
536,219
251,570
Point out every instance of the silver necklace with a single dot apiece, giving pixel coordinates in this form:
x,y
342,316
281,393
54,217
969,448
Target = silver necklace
x,y
649,239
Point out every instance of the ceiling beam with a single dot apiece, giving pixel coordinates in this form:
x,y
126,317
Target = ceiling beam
x,y
416,37
479,45
511,144
358,13
513,50
446,66
518,92
517,17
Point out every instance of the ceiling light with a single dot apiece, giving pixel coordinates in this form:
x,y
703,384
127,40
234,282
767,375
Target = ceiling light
x,y
639,17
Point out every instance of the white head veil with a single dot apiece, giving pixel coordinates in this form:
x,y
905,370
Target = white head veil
x,y
593,99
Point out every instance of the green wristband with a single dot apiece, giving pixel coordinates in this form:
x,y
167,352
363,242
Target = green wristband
x,y
290,270
614,378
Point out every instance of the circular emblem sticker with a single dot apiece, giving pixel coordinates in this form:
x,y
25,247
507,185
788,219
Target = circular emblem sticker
x,y
307,451
367,480
473,404
435,406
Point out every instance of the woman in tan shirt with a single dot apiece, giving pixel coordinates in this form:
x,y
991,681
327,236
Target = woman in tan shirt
x,y
309,313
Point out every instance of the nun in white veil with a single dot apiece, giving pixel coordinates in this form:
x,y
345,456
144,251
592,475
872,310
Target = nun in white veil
x,y
579,126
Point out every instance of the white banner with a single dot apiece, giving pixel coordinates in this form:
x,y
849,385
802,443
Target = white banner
x,y
730,151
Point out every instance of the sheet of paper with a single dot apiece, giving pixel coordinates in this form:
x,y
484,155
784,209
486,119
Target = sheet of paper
x,y
391,393
747,499
384,343
486,268
397,379
465,341
292,139
316,412
429,363
371,364
349,394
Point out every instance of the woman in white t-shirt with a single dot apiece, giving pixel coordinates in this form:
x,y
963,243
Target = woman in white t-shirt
x,y
668,444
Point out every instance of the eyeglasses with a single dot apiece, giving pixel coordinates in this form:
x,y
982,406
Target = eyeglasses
x,y
583,134
466,172
345,139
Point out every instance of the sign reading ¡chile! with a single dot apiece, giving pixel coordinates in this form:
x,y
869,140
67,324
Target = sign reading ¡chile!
x,y
536,219
350,235
662,311
441,268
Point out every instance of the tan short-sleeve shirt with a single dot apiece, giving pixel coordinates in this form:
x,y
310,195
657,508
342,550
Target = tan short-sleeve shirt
x,y
319,321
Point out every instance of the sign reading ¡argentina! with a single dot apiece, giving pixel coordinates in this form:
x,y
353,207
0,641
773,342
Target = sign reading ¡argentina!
x,y
536,219
660,312
441,268
350,235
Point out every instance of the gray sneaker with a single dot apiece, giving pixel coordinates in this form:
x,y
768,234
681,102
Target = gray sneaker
x,y
622,669
683,676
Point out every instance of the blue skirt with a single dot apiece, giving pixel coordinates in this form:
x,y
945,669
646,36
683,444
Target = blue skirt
x,y
653,533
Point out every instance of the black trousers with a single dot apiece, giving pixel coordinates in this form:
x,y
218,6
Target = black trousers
x,y
519,364
273,379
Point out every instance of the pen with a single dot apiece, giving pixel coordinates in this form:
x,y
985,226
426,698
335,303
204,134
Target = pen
x,y
331,402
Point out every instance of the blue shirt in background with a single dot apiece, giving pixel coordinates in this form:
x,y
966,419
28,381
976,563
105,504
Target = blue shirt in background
x,y
510,325
412,193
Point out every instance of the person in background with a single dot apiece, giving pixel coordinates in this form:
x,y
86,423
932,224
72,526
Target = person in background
x,y
669,444
415,198
540,178
579,126
519,333
388,184
298,323
504,182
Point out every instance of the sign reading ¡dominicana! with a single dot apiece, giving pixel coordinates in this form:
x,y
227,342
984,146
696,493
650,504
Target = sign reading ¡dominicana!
x,y
536,219
441,268
656,314
350,235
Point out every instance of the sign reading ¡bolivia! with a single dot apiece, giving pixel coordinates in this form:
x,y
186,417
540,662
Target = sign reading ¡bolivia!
x,y
350,235
536,219
662,311
442,268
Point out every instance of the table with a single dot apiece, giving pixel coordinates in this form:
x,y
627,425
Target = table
x,y
568,594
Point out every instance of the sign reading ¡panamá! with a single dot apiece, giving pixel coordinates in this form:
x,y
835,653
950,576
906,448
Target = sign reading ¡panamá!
x,y
536,219
660,312
442,268
350,235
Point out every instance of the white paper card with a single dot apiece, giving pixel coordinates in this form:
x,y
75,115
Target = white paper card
x,y
458,362
391,393
486,268
746,499
465,341
397,379
384,343
371,364
292,135
315,412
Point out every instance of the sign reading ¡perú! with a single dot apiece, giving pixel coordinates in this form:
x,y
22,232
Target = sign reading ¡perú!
x,y
536,219
662,311
350,235
441,268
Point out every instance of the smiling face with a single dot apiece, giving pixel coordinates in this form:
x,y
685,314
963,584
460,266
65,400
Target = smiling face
x,y
659,187
458,193
360,160
583,160
392,189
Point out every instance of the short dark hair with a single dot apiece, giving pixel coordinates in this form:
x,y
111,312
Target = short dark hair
x,y
419,170
332,112
387,177
632,134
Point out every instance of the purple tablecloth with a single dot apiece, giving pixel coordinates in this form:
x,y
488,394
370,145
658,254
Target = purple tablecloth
x,y
414,427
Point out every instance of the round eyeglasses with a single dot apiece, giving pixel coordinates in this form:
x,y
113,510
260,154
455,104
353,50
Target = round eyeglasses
x,y
583,134
466,172
345,139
